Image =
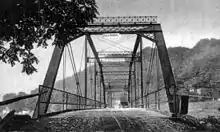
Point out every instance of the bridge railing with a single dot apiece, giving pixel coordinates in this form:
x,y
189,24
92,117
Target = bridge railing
x,y
157,100
62,100
152,99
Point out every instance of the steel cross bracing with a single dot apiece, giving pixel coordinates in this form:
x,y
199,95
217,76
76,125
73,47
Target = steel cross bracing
x,y
144,27
123,25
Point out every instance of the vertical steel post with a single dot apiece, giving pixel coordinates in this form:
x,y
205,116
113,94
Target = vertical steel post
x,y
158,93
135,87
64,75
104,94
100,91
142,87
86,49
67,100
156,100
90,83
104,98
156,103
95,82
131,89
138,82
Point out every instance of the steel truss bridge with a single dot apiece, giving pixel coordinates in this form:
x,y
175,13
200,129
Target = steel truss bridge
x,y
107,80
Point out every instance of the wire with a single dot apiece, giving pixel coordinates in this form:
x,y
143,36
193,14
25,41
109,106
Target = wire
x,y
80,68
76,73
74,69
116,44
120,44
64,76
122,48
150,65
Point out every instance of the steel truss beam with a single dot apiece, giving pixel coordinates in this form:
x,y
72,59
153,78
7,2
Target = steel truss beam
x,y
116,80
49,80
98,61
115,90
117,74
122,29
133,56
128,25
124,20
116,77
117,83
112,57
106,61
115,65
167,72
137,42
114,52
116,62
123,26
168,76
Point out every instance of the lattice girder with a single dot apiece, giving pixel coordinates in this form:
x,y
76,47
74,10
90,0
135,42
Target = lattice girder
x,y
125,29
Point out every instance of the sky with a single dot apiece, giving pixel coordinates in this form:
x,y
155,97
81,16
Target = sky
x,y
184,22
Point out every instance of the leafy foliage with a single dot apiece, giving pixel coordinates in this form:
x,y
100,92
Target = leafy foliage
x,y
58,18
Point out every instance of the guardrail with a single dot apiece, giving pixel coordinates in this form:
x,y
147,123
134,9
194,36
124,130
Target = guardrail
x,y
72,101
158,100
69,100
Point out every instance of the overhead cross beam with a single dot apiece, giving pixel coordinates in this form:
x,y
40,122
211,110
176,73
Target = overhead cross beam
x,y
124,20
123,25
98,61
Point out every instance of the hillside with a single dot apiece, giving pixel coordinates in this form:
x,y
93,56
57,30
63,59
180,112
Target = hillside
x,y
202,64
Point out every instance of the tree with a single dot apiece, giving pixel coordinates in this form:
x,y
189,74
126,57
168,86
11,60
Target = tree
x,y
34,26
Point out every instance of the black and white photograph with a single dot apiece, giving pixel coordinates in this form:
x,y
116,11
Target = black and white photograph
x,y
109,65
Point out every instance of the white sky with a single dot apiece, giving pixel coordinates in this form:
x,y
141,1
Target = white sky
x,y
184,22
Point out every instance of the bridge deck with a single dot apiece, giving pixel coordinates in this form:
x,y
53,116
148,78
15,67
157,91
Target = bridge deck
x,y
102,120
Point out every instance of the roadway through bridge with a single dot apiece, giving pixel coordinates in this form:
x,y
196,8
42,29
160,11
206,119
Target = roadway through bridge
x,y
107,120
113,120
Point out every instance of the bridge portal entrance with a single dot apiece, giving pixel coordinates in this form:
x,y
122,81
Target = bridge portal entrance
x,y
129,75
